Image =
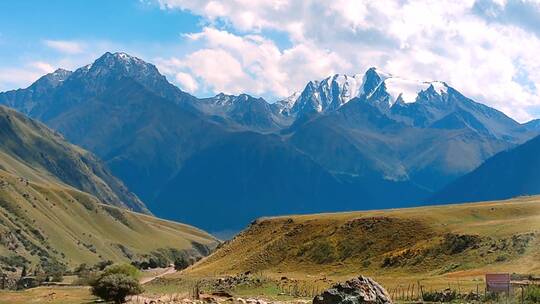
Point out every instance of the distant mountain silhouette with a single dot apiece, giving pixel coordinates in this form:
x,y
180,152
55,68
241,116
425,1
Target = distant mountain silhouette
x,y
508,174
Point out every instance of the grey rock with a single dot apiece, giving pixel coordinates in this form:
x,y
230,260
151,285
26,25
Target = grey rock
x,y
357,290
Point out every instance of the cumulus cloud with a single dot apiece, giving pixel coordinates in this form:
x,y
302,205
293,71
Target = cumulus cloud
x,y
235,64
11,77
186,81
64,46
487,49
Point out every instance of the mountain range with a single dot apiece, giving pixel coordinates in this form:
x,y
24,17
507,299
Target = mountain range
x,y
365,141
506,175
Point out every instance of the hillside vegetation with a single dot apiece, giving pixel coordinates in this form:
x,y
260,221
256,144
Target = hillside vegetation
x,y
48,223
31,150
456,240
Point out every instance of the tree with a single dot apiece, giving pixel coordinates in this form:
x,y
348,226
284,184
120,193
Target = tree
x,y
126,269
116,287
180,264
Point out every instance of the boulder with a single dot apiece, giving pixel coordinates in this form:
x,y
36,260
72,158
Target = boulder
x,y
355,291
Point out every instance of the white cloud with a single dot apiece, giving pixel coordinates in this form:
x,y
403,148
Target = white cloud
x,y
251,63
187,83
479,47
43,67
16,77
64,46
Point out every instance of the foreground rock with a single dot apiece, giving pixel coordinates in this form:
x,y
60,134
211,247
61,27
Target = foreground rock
x,y
357,290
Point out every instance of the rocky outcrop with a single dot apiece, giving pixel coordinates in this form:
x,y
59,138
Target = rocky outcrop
x,y
355,291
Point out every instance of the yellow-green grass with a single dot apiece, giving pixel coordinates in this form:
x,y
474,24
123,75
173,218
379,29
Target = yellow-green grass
x,y
416,242
70,225
63,295
31,150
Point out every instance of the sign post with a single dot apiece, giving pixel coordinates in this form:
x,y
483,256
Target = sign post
x,y
498,282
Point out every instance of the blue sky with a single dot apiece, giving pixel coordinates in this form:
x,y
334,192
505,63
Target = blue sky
x,y
121,25
487,49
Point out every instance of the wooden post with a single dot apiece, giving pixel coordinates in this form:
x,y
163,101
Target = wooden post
x,y
197,290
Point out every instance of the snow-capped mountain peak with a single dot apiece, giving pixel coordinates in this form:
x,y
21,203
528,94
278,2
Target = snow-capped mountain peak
x,y
50,80
329,93
375,86
408,90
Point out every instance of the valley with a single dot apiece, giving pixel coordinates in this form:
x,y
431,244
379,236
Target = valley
x,y
60,208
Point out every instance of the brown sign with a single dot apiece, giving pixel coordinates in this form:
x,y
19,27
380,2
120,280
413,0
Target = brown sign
x,y
498,282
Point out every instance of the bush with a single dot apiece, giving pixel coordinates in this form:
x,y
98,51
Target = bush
x,y
446,296
532,294
53,270
125,269
116,287
322,252
103,264
181,263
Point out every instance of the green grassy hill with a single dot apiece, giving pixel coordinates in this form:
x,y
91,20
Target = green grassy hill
x,y
50,222
59,205
33,151
427,242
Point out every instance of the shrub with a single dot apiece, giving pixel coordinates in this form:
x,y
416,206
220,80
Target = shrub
x,y
446,296
125,269
501,258
116,287
181,263
14,260
53,269
322,252
532,294
103,264
454,243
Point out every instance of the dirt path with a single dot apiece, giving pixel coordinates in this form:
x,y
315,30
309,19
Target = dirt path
x,y
166,271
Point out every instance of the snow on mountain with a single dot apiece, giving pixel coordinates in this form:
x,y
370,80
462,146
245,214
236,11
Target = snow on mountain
x,y
408,90
119,63
335,91
284,106
328,94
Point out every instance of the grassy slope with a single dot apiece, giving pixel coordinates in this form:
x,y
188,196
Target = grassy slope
x,y
68,224
30,149
417,243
